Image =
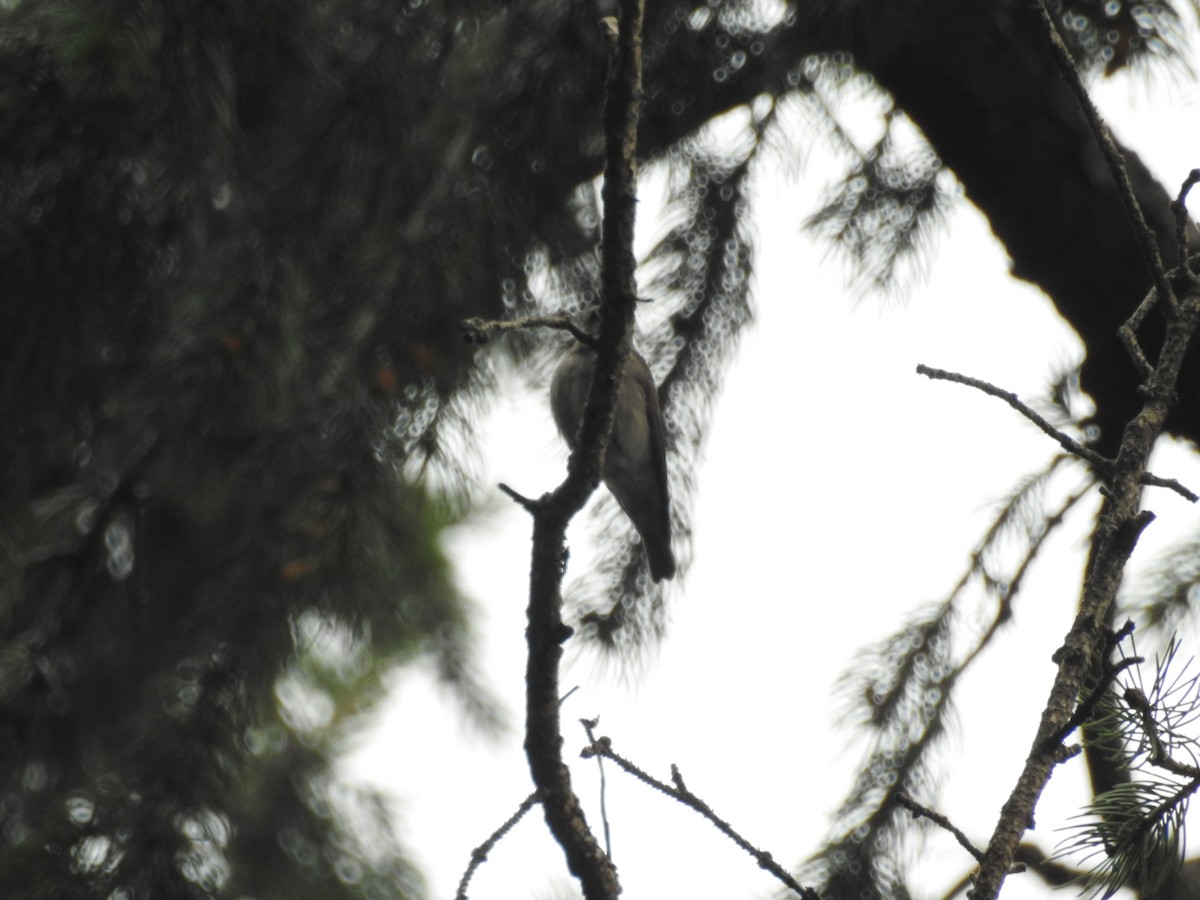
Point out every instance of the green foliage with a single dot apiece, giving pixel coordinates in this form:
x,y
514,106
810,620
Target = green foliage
x,y
1136,832
1133,834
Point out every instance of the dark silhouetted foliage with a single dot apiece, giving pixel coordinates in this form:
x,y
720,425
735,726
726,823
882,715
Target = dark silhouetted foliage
x,y
236,244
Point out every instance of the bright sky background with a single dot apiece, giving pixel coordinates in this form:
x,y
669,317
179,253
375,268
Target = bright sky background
x,y
793,574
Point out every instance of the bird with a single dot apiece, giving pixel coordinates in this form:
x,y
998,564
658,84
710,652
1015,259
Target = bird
x,y
635,464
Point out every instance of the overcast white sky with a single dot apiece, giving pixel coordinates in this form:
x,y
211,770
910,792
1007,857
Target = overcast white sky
x,y
793,574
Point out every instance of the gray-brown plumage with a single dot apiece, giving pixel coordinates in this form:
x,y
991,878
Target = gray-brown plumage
x,y
635,465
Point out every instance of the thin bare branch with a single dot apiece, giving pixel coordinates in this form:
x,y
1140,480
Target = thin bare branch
x,y
1068,443
480,854
1128,335
530,506
1102,464
603,747
480,331
918,811
589,727
1179,208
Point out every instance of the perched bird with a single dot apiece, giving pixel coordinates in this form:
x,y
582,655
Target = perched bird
x,y
635,464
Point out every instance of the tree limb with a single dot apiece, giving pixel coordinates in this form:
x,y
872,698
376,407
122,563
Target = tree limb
x,y
1120,524
546,630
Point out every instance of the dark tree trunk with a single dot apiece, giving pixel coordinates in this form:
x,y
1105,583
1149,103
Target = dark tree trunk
x,y
978,79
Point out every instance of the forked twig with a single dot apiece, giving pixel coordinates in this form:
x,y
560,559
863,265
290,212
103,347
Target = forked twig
x,y
923,812
1179,208
680,792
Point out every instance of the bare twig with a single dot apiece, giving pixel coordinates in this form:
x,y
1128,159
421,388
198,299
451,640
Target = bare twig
x,y
1179,208
942,822
589,726
603,747
1127,332
1171,484
480,331
480,853
530,506
1068,443
1072,446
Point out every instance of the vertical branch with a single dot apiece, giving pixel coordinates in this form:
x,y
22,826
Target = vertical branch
x,y
1118,529
546,630
1121,523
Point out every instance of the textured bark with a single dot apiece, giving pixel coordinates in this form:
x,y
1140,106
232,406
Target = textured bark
x,y
546,631
1121,523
